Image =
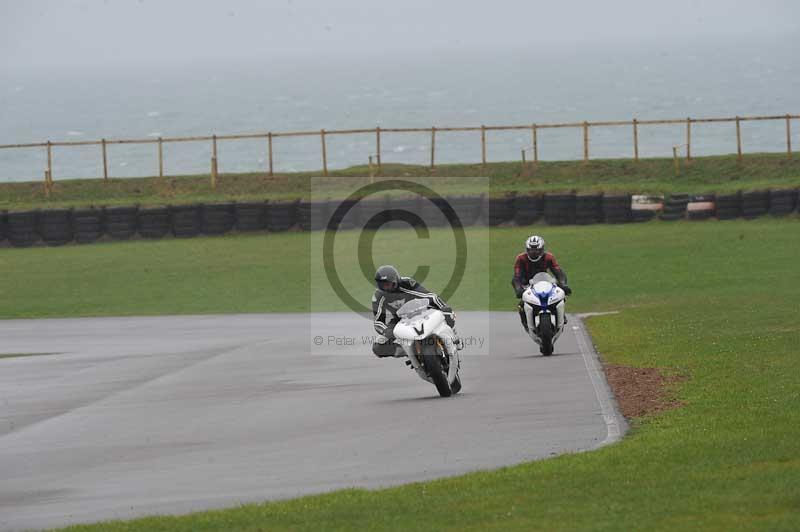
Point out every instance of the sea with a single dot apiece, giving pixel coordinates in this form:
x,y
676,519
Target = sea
x,y
455,88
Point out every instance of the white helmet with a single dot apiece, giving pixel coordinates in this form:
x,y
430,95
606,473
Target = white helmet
x,y
534,247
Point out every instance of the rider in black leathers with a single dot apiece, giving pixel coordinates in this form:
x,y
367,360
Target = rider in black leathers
x,y
392,291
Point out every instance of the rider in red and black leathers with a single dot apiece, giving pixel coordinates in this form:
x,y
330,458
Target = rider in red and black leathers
x,y
535,260
525,269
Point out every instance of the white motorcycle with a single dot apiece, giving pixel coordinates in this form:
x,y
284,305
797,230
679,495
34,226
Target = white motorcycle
x,y
429,344
544,311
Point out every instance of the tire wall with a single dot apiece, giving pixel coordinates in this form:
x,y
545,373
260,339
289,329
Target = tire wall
x,y
559,209
617,208
153,222
86,225
645,207
22,228
120,222
3,226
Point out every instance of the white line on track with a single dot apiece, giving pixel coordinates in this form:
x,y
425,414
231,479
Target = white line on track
x,y
615,423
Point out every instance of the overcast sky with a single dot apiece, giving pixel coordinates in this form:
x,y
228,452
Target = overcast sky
x,y
124,33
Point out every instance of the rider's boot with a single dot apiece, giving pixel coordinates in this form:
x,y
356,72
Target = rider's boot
x,y
522,318
457,341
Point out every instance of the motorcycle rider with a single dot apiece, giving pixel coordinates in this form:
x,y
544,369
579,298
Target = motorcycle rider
x,y
392,292
533,261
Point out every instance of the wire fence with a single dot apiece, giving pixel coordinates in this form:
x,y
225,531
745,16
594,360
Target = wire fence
x,y
269,139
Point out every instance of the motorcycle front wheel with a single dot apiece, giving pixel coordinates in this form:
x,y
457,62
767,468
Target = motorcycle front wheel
x,y
546,333
435,362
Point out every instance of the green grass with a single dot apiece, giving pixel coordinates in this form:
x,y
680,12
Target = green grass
x,y
657,175
715,301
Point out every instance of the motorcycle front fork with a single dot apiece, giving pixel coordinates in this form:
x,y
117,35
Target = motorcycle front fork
x,y
561,318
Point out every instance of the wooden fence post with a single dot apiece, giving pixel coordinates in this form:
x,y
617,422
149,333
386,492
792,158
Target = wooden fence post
x,y
433,147
535,145
269,149
585,142
105,160
688,139
324,153
214,162
161,157
49,162
378,146
789,136
483,145
635,140
738,140
523,157
675,160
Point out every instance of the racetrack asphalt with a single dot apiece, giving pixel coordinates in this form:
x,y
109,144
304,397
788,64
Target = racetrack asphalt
x,y
126,417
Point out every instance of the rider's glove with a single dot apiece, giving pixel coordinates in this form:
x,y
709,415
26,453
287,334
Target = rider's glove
x,y
567,290
519,291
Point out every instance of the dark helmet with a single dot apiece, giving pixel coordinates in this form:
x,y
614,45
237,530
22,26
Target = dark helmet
x,y
387,278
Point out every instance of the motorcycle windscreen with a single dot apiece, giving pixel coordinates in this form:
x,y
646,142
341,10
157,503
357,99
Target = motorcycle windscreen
x,y
412,308
543,276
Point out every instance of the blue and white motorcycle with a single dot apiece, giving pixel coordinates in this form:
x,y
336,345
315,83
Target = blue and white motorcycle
x,y
544,311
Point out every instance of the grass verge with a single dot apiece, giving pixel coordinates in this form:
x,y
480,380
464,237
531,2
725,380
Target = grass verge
x,y
715,301
657,175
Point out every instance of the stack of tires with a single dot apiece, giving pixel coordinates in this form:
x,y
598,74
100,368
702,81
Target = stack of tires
x,y
559,209
281,215
528,209
588,209
498,211
55,226
433,212
700,207
217,218
728,206
372,212
153,222
250,216
467,208
120,222
22,228
412,205
3,226
344,214
186,220
617,208
644,208
675,207
313,215
87,225
755,204
782,202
